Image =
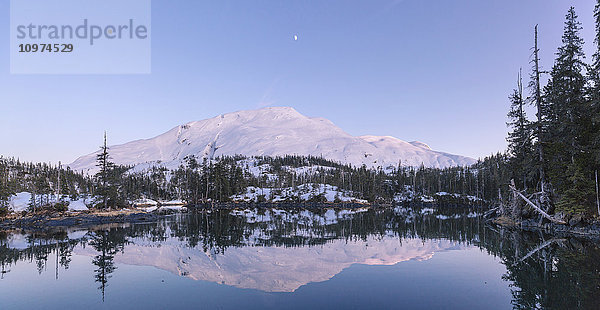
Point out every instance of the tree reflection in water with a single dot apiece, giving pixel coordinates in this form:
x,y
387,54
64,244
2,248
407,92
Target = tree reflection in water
x,y
107,242
545,272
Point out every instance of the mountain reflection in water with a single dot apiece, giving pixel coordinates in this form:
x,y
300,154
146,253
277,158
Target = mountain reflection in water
x,y
281,251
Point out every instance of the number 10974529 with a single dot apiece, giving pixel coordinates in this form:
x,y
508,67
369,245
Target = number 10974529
x,y
46,48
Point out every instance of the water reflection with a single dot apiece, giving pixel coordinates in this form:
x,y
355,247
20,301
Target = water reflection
x,y
280,251
277,268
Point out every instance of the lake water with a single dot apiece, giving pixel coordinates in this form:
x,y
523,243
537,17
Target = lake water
x,y
273,259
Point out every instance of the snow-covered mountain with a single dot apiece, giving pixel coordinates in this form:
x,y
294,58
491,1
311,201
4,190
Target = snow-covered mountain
x,y
272,131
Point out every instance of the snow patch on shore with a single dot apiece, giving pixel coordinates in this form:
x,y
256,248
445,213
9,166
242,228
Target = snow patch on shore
x,y
20,202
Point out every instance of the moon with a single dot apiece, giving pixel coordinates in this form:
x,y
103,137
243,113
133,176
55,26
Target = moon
x,y
295,37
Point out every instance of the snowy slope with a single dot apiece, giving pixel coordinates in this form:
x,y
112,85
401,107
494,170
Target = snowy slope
x,y
391,150
271,131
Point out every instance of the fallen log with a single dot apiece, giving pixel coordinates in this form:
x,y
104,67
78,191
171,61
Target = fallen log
x,y
544,214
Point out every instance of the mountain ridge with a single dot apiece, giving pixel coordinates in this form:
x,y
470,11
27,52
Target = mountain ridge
x,y
272,131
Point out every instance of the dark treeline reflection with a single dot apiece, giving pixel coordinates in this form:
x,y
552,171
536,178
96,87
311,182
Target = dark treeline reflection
x,y
546,272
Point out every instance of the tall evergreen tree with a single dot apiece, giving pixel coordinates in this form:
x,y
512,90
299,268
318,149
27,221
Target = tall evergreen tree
x,y
569,118
594,88
103,176
519,139
6,190
564,93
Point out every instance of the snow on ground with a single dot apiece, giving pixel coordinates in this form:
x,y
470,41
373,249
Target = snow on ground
x,y
307,170
20,202
427,199
304,192
258,171
144,203
78,205
468,197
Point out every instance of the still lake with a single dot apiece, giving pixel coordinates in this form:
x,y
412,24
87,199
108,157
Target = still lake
x,y
395,258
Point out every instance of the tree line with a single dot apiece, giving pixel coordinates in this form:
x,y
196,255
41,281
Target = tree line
x,y
199,181
555,155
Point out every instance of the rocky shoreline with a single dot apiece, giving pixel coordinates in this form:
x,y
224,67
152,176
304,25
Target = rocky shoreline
x,y
79,219
47,220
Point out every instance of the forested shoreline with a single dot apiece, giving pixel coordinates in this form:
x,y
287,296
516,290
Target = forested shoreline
x,y
554,157
220,179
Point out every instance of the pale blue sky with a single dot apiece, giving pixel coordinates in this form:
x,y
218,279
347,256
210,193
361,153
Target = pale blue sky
x,y
434,71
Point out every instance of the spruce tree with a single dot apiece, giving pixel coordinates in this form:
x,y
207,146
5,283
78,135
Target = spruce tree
x,y
594,88
6,190
594,103
569,119
103,176
565,92
519,139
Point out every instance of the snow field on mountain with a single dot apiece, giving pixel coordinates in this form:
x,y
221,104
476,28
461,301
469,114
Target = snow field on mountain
x,y
273,131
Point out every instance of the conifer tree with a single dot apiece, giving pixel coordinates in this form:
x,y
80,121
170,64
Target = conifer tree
x,y
6,190
564,93
103,176
569,119
519,139
594,88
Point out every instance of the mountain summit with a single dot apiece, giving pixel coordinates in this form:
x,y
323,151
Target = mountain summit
x,y
273,131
